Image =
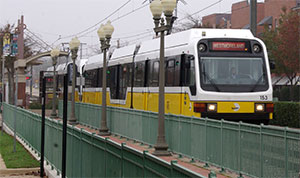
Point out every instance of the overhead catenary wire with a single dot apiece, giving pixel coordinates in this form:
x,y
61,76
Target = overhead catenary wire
x,y
38,38
37,42
93,26
114,20
201,10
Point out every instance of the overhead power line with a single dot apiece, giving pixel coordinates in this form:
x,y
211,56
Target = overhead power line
x,y
201,10
76,34
38,38
114,20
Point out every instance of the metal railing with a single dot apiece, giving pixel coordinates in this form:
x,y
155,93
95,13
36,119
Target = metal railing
x,y
256,150
88,155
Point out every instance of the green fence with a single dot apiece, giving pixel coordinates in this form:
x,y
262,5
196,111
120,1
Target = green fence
x,y
88,155
257,150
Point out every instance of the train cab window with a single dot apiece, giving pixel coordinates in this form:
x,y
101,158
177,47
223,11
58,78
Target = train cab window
x,y
139,74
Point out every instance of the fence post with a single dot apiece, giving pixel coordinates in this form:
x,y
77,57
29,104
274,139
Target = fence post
x,y
206,164
144,162
286,152
122,159
261,150
172,167
222,165
240,167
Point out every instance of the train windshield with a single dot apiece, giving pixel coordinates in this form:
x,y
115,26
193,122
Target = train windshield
x,y
233,74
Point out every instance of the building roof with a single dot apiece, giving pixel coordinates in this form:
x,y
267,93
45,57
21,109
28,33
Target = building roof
x,y
267,20
246,26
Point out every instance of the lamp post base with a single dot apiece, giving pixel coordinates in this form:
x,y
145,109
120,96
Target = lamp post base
x,y
53,115
73,122
104,132
161,150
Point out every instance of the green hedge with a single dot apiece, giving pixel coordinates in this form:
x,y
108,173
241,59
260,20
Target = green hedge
x,y
283,93
37,105
286,114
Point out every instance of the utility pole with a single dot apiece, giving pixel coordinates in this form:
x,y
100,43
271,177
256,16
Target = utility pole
x,y
253,16
81,49
20,29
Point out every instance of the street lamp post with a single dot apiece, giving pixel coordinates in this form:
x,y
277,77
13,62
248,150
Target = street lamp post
x,y
54,55
74,44
104,33
156,7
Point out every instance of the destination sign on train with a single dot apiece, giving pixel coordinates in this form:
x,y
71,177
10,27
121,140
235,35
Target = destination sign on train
x,y
228,46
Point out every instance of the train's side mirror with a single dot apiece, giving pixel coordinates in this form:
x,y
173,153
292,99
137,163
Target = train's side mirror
x,y
272,64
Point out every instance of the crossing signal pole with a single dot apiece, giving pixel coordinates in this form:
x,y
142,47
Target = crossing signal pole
x,y
253,16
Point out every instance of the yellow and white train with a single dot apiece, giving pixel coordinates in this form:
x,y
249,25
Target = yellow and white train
x,y
214,73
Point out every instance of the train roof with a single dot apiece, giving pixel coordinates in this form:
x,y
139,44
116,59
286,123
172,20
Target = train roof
x,y
177,42
122,55
94,62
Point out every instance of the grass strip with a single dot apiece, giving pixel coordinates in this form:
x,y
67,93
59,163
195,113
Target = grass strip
x,y
19,159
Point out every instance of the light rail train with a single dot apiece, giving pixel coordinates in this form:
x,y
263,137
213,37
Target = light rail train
x,y
214,73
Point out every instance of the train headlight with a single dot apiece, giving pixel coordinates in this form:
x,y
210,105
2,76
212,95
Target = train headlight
x,y
212,107
256,48
259,107
202,47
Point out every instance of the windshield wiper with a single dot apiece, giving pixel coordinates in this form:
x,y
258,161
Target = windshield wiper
x,y
256,84
211,81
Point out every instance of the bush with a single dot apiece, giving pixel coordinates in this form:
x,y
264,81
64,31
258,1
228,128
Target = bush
x,y
286,114
49,104
35,105
283,94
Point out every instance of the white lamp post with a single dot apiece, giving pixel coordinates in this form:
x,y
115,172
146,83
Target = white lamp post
x,y
156,7
74,44
104,32
54,55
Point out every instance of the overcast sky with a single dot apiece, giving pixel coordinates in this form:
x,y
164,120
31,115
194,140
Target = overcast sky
x,y
59,19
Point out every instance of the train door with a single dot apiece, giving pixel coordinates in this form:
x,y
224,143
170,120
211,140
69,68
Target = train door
x,y
172,82
113,82
152,78
139,96
125,72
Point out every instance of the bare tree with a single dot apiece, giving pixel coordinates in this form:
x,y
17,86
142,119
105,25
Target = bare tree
x,y
9,60
187,22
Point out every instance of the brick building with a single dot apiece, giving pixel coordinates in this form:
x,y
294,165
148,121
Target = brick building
x,y
268,13
217,20
273,10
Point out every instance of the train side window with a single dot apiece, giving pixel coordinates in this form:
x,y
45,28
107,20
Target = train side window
x,y
155,74
100,76
139,74
177,71
113,81
148,77
170,72
91,78
124,80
